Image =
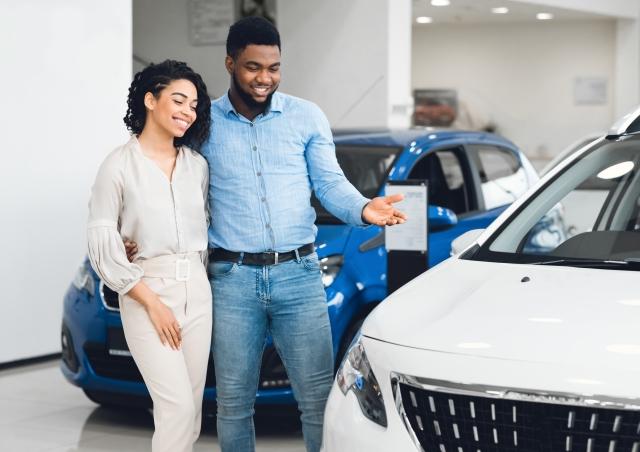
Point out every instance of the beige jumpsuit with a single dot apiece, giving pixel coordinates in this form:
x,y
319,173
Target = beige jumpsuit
x,y
132,198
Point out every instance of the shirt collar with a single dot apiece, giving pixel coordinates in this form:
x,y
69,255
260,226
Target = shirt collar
x,y
275,106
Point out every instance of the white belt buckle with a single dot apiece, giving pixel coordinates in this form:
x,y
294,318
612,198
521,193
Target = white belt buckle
x,y
183,269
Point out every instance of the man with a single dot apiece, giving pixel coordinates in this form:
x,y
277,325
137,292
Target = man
x,y
267,150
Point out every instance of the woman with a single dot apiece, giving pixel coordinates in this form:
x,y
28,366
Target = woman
x,y
153,190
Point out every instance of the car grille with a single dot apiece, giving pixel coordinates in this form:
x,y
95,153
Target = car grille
x,y
114,361
444,419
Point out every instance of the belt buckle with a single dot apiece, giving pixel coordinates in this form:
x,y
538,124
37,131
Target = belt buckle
x,y
275,258
183,269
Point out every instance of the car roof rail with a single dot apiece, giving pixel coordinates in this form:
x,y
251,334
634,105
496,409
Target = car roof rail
x,y
629,123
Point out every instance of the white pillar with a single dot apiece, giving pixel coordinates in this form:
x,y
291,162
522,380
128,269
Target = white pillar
x,y
400,99
627,67
352,58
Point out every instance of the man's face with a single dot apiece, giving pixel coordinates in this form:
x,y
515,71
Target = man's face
x,y
255,74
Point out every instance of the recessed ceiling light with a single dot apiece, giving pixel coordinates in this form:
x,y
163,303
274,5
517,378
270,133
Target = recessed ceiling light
x,y
630,302
440,2
545,320
424,20
544,16
474,345
500,10
584,381
624,349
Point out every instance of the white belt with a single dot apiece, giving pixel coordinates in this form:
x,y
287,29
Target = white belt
x,y
176,266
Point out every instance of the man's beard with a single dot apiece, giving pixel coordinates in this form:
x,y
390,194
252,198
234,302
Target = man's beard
x,y
248,100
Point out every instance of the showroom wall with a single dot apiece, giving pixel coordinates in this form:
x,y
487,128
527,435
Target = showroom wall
x,y
65,73
161,31
520,76
348,68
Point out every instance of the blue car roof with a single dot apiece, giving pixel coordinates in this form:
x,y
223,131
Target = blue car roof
x,y
409,137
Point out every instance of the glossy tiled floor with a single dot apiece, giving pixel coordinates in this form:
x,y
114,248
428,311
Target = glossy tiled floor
x,y
40,411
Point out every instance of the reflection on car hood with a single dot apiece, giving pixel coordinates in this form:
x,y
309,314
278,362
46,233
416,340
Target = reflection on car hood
x,y
561,314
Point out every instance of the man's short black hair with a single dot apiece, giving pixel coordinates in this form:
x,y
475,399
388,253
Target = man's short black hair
x,y
251,30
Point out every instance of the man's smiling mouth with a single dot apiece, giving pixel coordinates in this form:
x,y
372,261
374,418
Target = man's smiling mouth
x,y
261,90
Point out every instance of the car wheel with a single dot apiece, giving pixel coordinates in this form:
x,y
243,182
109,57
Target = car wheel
x,y
113,400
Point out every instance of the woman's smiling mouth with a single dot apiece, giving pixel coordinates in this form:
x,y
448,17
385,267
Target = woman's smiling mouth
x,y
182,123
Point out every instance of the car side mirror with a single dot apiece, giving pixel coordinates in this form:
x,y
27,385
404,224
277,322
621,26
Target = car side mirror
x,y
465,240
440,218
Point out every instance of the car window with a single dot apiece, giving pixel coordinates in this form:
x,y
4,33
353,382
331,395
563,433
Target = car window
x,y
447,185
502,177
563,221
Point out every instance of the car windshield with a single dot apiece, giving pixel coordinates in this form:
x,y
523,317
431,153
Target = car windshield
x,y
366,167
566,224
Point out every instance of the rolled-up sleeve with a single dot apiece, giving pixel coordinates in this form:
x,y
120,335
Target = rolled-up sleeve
x,y
105,246
330,185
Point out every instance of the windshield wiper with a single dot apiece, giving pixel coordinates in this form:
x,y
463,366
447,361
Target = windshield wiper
x,y
627,264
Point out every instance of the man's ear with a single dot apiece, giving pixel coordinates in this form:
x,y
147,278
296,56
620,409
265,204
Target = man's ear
x,y
149,101
228,63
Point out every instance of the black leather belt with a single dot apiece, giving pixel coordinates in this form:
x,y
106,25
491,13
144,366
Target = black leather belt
x,y
272,258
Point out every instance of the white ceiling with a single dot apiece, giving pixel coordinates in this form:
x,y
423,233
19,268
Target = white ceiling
x,y
479,11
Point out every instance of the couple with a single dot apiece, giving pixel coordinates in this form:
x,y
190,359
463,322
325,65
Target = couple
x,y
234,176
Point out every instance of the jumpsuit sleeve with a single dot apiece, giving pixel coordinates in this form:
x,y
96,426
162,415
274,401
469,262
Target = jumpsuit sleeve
x,y
105,245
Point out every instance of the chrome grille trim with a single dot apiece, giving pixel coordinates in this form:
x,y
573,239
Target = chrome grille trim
x,y
104,303
525,395
397,397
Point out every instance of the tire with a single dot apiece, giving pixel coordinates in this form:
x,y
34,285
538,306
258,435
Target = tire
x,y
117,401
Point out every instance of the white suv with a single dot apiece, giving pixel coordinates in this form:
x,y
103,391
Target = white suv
x,y
508,346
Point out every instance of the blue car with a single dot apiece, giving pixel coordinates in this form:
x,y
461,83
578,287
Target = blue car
x,y
472,176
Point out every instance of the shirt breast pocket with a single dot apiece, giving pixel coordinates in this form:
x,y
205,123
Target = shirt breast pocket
x,y
286,154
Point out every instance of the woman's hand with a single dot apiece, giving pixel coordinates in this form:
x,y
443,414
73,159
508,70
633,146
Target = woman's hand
x,y
161,316
165,323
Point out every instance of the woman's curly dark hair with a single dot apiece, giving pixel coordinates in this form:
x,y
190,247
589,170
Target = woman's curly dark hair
x,y
153,79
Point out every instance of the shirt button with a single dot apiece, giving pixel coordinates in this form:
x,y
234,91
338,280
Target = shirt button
x,y
263,199
268,226
255,148
258,173
251,124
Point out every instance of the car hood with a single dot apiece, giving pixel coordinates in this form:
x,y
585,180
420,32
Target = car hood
x,y
561,314
332,239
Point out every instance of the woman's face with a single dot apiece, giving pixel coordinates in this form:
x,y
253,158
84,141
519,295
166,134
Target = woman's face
x,y
175,108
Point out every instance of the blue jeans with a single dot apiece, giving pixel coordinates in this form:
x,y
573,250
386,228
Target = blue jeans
x,y
288,301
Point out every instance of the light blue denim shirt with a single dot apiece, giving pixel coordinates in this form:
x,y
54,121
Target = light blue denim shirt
x,y
262,173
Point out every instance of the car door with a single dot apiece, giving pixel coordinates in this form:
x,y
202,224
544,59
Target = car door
x,y
452,187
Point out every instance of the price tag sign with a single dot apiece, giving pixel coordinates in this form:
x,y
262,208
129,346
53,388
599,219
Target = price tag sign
x,y
411,235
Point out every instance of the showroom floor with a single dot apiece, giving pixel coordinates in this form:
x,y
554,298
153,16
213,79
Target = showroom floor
x,y
41,412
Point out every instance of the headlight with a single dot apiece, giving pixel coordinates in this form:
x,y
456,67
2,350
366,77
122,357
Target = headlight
x,y
330,267
355,375
83,279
